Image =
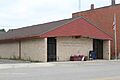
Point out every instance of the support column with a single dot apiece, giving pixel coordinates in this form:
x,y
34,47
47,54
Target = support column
x,y
45,49
109,44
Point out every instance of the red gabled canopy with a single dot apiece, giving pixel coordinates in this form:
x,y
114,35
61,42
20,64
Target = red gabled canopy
x,y
77,27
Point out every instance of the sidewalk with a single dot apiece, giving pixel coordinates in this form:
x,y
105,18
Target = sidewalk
x,y
5,64
6,61
25,65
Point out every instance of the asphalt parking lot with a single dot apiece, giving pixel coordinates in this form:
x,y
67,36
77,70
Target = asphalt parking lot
x,y
89,70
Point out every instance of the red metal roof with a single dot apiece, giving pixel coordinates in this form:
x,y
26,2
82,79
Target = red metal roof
x,y
78,27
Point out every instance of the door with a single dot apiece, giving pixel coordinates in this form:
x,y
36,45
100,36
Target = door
x,y
51,49
98,48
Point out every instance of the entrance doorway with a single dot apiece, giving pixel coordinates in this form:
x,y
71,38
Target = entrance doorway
x,y
51,49
98,48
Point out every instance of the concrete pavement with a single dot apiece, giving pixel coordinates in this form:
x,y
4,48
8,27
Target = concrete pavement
x,y
5,64
26,64
7,61
89,70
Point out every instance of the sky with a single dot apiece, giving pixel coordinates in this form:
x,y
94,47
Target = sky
x,y
22,13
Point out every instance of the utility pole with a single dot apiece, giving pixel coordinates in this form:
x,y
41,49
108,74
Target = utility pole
x,y
115,35
79,5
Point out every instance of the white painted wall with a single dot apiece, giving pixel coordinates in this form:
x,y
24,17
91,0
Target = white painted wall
x,y
67,46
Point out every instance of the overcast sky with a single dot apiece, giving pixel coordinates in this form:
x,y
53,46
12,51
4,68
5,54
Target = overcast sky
x,y
21,13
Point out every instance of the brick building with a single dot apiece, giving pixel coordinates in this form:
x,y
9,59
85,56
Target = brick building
x,y
103,17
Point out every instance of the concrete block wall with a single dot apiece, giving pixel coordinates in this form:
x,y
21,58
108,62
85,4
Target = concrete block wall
x,y
106,51
34,50
67,46
9,49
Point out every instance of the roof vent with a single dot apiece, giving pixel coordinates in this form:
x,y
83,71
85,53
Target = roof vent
x,y
92,6
113,2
